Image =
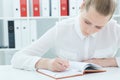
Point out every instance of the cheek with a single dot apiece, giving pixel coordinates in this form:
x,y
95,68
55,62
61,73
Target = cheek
x,y
84,26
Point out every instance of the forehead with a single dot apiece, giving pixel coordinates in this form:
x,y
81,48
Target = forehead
x,y
94,17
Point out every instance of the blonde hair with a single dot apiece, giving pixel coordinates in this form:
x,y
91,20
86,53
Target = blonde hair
x,y
104,7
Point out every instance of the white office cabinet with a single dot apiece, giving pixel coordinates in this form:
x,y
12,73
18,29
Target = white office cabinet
x,y
18,34
55,8
25,31
16,8
33,30
45,7
1,8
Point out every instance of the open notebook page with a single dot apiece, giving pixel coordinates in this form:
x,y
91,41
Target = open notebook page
x,y
81,66
75,69
67,73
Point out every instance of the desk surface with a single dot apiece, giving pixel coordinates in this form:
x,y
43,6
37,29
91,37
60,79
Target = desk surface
x,y
9,73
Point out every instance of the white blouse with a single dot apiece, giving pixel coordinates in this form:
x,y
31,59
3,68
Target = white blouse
x,y
69,43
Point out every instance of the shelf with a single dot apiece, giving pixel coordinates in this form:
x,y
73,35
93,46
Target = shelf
x,y
1,18
43,17
57,17
49,17
8,49
13,18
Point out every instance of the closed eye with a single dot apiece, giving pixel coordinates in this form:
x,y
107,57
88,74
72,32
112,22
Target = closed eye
x,y
98,27
87,22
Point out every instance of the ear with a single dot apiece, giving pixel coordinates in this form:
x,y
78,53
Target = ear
x,y
82,5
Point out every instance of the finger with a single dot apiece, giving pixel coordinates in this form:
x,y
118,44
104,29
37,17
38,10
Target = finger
x,y
67,63
57,65
60,67
64,62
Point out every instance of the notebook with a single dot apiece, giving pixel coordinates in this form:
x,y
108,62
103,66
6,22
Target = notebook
x,y
75,69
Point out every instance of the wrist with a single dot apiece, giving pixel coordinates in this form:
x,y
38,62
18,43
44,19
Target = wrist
x,y
42,63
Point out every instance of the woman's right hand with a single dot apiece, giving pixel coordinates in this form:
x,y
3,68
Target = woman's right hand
x,y
58,64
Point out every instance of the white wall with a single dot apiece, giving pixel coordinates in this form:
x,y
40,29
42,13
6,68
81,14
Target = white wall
x,y
7,8
2,58
1,8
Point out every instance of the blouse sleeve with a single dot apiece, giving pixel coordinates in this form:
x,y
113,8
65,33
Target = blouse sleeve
x,y
27,57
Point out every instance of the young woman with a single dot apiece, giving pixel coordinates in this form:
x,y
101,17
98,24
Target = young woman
x,y
90,37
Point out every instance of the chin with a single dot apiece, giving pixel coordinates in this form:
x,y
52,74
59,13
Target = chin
x,y
86,34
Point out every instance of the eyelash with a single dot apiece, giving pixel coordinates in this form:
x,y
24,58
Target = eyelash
x,y
98,27
90,23
87,22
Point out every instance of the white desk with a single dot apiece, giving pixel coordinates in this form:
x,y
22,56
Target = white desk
x,y
8,73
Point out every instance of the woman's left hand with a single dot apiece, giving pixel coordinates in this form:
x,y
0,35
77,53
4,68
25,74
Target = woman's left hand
x,y
105,62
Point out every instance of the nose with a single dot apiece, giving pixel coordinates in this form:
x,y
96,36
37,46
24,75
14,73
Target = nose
x,y
90,30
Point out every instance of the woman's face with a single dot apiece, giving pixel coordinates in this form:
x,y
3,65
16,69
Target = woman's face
x,y
91,21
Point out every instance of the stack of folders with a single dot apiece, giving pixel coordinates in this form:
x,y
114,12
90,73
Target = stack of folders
x,y
20,33
46,8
